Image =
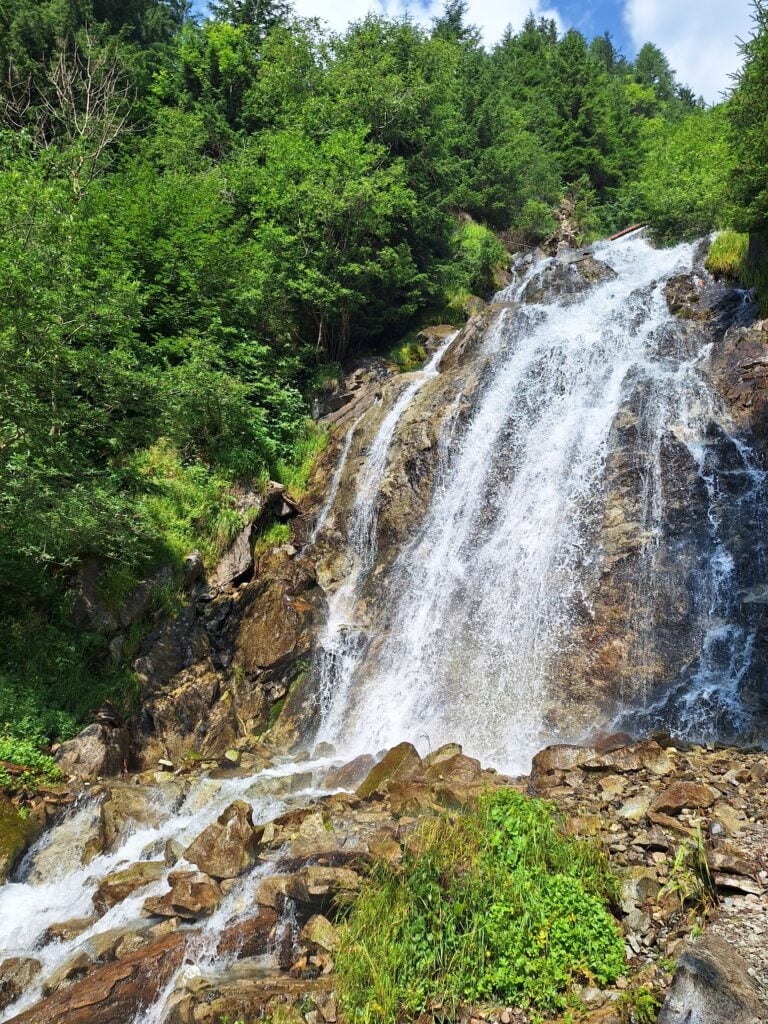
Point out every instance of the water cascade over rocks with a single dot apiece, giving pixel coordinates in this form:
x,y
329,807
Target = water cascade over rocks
x,y
594,523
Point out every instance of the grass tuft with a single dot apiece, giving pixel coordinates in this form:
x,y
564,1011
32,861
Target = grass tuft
x,y
727,254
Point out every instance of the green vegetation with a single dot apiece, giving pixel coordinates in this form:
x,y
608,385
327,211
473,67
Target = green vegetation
x,y
690,879
727,255
494,905
202,219
640,1004
25,766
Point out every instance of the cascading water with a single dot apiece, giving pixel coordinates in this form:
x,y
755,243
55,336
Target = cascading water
x,y
341,643
484,597
53,884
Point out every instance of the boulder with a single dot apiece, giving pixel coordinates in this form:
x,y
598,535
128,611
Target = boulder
x,y
227,848
458,769
351,774
98,751
237,563
712,986
564,280
442,754
115,887
319,932
192,895
683,794
16,835
316,888
559,757
140,805
400,763
192,569
16,975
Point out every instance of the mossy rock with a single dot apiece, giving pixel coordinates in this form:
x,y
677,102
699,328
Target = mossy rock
x,y
17,834
398,764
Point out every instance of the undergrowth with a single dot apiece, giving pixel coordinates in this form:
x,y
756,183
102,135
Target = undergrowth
x,y
498,905
37,768
727,254
727,259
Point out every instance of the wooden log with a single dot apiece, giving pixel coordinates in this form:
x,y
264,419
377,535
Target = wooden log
x,y
627,231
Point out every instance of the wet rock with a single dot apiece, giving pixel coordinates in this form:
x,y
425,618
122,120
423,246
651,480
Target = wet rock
x,y
320,933
442,754
739,368
317,888
115,887
63,931
559,757
138,805
99,750
16,835
564,280
683,794
636,757
350,775
227,848
399,763
16,975
711,986
192,895
456,770
75,967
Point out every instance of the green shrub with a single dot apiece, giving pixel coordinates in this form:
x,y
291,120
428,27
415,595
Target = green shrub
x,y
295,470
408,354
726,255
495,905
39,768
478,254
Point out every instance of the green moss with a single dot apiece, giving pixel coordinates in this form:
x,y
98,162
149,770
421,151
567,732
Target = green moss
x,y
498,905
409,354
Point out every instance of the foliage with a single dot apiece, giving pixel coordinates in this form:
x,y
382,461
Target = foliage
x,y
690,879
683,188
38,768
640,1004
495,905
748,116
727,254
200,220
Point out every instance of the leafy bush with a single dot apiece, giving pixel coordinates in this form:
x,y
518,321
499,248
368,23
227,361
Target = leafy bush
x,y
38,768
496,905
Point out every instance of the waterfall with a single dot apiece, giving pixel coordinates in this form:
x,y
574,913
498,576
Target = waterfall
x,y
484,598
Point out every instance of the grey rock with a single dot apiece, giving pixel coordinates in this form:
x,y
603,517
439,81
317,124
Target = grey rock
x,y
99,750
711,986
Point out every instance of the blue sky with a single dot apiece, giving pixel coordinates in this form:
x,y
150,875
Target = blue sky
x,y
698,36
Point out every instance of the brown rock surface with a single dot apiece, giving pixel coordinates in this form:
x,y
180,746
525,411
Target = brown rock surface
x,y
227,848
115,887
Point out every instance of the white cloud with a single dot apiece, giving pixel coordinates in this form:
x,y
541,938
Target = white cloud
x,y
492,16
698,36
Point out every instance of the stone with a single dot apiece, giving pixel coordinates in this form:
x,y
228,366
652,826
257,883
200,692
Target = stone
x,y
400,763
172,852
77,965
458,769
227,848
233,756
635,809
115,887
560,757
315,887
236,564
647,755
192,895
684,794
16,835
350,775
63,931
192,569
711,985
442,754
16,975
98,751
319,932
315,837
